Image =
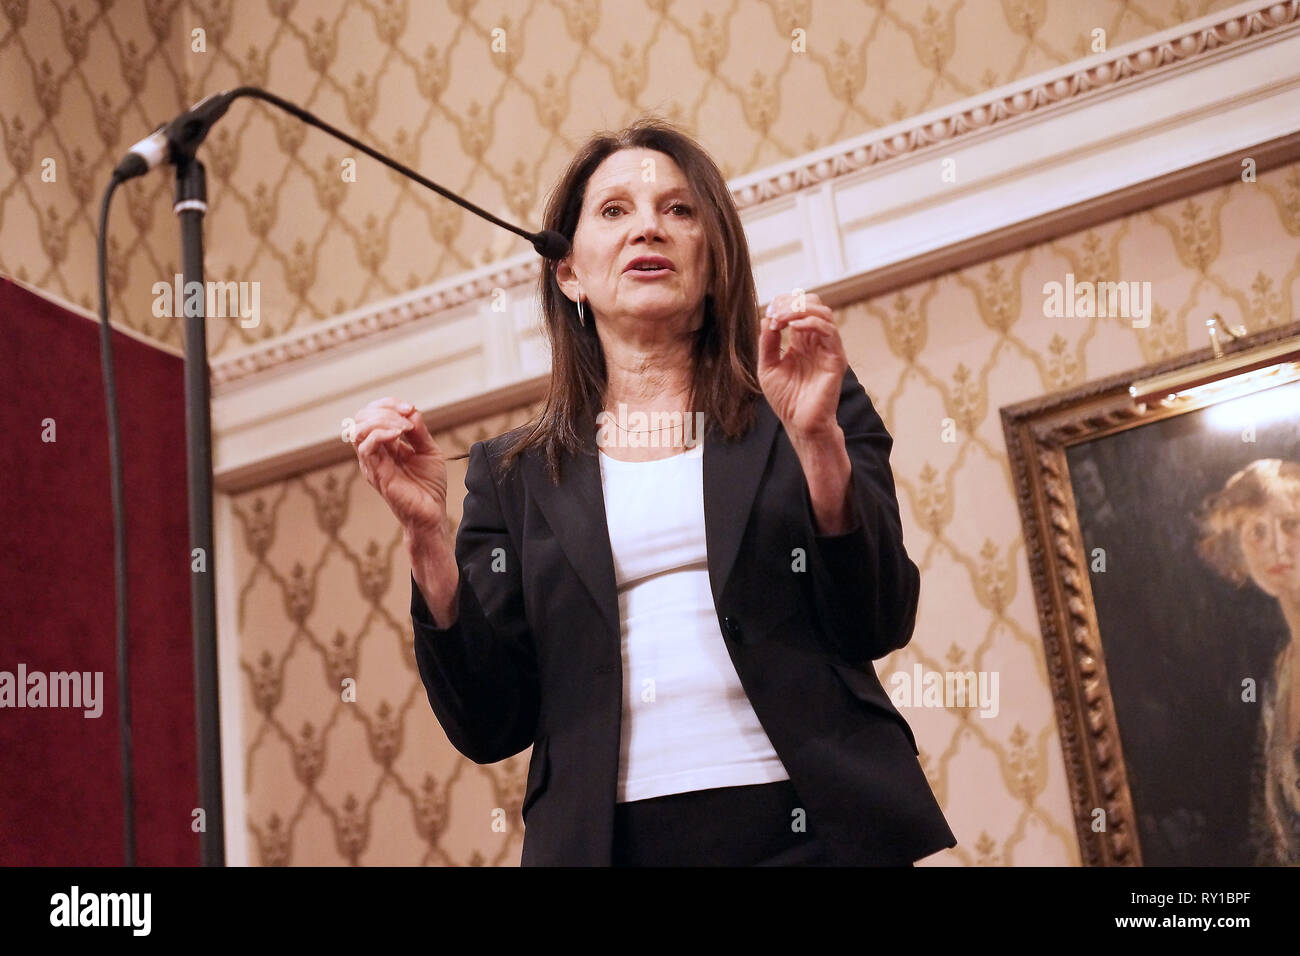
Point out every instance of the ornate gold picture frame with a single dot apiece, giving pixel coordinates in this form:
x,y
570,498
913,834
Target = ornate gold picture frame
x,y
1161,668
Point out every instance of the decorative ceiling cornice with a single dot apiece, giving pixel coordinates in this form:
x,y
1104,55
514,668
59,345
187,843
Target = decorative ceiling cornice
x,y
362,323
1055,89
1046,93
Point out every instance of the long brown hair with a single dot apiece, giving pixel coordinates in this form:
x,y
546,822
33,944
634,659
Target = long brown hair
x,y
724,355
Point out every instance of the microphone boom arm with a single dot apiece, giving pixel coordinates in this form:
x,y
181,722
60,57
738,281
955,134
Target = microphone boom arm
x,y
182,137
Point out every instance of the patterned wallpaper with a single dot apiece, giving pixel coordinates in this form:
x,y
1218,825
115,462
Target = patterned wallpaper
x,y
487,98
323,576
324,597
319,570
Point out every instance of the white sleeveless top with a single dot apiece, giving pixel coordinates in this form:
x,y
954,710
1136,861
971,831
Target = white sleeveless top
x,y
687,723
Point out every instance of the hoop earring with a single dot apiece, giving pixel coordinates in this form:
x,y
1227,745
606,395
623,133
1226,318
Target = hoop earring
x,y
582,318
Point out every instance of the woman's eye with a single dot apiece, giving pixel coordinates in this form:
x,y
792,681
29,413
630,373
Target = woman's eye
x,y
675,206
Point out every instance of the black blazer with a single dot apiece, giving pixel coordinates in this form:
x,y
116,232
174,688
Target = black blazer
x,y
535,656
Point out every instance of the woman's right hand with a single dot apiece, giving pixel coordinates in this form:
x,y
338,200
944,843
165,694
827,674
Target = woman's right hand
x,y
404,464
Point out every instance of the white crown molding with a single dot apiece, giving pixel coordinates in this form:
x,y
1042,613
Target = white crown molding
x,y
1169,114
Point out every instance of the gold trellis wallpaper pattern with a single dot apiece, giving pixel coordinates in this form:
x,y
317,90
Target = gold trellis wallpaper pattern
x,y
83,79
322,575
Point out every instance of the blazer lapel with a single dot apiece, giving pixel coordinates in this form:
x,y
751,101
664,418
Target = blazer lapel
x,y
575,509
732,471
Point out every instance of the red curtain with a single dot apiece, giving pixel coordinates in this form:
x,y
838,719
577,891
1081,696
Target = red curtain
x,y
60,771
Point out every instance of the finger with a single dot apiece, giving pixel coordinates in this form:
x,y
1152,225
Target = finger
x,y
813,324
375,442
387,403
785,302
380,419
419,437
801,342
389,432
807,338
769,347
378,403
384,413
382,468
782,319
369,459
386,437
811,333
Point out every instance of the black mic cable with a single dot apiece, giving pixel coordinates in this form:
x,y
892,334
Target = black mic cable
x,y
119,528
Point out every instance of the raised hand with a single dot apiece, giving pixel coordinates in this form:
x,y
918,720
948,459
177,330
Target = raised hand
x,y
401,461
803,385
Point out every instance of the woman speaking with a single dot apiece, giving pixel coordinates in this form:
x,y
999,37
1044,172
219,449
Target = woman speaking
x,y
673,582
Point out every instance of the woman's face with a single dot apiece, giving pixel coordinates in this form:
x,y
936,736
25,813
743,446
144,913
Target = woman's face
x,y
1270,541
638,203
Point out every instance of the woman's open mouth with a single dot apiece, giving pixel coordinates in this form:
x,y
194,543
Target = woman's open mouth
x,y
649,267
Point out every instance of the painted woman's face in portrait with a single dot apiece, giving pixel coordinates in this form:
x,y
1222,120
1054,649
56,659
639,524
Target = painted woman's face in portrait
x,y
1270,542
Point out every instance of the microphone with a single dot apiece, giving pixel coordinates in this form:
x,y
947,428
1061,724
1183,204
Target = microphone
x,y
182,136
549,244
145,155
170,141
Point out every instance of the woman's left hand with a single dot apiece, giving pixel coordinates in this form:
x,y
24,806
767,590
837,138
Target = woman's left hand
x,y
803,385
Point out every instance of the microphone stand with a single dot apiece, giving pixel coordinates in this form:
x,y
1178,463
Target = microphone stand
x,y
180,140
190,206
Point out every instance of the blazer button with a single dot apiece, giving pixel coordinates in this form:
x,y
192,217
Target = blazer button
x,y
733,628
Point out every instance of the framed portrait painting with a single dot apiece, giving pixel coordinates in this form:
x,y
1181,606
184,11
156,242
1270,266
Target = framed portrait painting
x,y
1164,546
